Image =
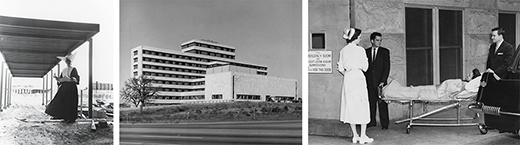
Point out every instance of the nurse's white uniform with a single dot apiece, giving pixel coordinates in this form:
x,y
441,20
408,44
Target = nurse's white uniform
x,y
354,95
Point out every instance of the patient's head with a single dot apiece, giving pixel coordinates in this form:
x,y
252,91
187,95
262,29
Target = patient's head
x,y
476,73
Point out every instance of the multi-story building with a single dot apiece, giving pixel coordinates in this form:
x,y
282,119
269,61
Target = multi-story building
x,y
182,76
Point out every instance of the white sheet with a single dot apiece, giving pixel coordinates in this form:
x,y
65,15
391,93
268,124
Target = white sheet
x,y
449,89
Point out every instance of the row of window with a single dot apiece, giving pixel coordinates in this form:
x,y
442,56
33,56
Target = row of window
x,y
170,75
172,69
178,83
216,96
102,86
180,90
248,97
212,54
174,62
196,97
149,52
261,73
189,58
248,66
207,46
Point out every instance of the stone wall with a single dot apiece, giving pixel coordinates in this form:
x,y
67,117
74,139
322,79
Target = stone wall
x,y
478,24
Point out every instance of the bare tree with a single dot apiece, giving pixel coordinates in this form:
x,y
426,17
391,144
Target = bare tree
x,y
139,90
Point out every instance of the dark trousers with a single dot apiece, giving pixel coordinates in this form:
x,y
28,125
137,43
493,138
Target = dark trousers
x,y
375,103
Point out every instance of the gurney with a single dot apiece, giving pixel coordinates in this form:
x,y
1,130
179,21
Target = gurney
x,y
426,95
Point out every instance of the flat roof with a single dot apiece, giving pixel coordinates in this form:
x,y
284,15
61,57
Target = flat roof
x,y
206,42
30,46
193,55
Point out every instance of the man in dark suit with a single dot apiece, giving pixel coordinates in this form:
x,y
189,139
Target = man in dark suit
x,y
376,76
500,54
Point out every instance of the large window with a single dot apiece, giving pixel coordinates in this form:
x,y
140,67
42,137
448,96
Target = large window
x,y
433,45
508,22
450,40
419,46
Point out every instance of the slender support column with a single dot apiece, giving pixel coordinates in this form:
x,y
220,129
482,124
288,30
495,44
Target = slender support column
x,y
7,88
10,88
4,88
1,87
47,88
52,81
43,88
81,102
90,77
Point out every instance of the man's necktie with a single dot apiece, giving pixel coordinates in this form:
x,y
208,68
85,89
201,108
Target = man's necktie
x,y
373,54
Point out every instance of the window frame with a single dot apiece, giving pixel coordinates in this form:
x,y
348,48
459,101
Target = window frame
x,y
436,40
311,33
517,25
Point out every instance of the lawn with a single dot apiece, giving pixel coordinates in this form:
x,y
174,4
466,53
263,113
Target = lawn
x,y
215,112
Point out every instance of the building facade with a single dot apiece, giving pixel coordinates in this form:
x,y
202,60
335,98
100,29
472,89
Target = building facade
x,y
182,76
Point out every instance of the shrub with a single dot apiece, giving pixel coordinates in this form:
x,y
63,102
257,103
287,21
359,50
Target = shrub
x,y
276,109
264,109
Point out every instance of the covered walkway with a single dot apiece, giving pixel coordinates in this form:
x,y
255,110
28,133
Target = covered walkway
x,y
30,47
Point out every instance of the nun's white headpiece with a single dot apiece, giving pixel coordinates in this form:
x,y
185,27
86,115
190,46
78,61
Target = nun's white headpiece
x,y
69,56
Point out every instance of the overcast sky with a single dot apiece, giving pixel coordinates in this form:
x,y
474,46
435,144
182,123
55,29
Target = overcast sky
x,y
264,32
91,11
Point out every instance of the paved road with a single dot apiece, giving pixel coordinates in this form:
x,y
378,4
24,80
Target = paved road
x,y
264,132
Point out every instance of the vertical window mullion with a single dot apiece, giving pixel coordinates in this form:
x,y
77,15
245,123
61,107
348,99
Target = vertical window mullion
x,y
435,49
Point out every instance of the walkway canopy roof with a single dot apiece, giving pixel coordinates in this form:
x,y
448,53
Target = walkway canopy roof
x,y
30,46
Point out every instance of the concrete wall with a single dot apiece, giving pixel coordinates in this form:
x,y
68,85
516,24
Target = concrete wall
x,y
329,17
219,83
227,68
264,85
388,17
247,84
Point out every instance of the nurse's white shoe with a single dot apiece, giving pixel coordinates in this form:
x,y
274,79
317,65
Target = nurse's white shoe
x,y
365,139
355,139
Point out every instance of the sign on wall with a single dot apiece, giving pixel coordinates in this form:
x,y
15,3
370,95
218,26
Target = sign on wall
x,y
320,61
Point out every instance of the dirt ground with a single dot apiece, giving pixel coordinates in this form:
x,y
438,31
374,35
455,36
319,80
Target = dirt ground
x,y
38,129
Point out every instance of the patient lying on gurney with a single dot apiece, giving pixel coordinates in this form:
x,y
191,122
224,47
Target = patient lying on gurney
x,y
449,89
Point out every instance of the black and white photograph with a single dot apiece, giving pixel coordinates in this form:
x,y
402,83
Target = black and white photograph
x,y
211,72
413,72
317,72
56,72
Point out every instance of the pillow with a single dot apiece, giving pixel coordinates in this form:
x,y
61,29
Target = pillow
x,y
473,85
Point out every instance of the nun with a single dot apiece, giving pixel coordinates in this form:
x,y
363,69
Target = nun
x,y
64,105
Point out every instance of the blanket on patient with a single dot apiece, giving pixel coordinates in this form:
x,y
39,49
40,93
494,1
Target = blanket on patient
x,y
449,89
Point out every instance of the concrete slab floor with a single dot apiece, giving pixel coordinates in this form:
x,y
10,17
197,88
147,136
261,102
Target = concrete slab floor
x,y
424,135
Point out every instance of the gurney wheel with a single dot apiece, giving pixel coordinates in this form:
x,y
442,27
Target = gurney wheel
x,y
482,129
408,128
